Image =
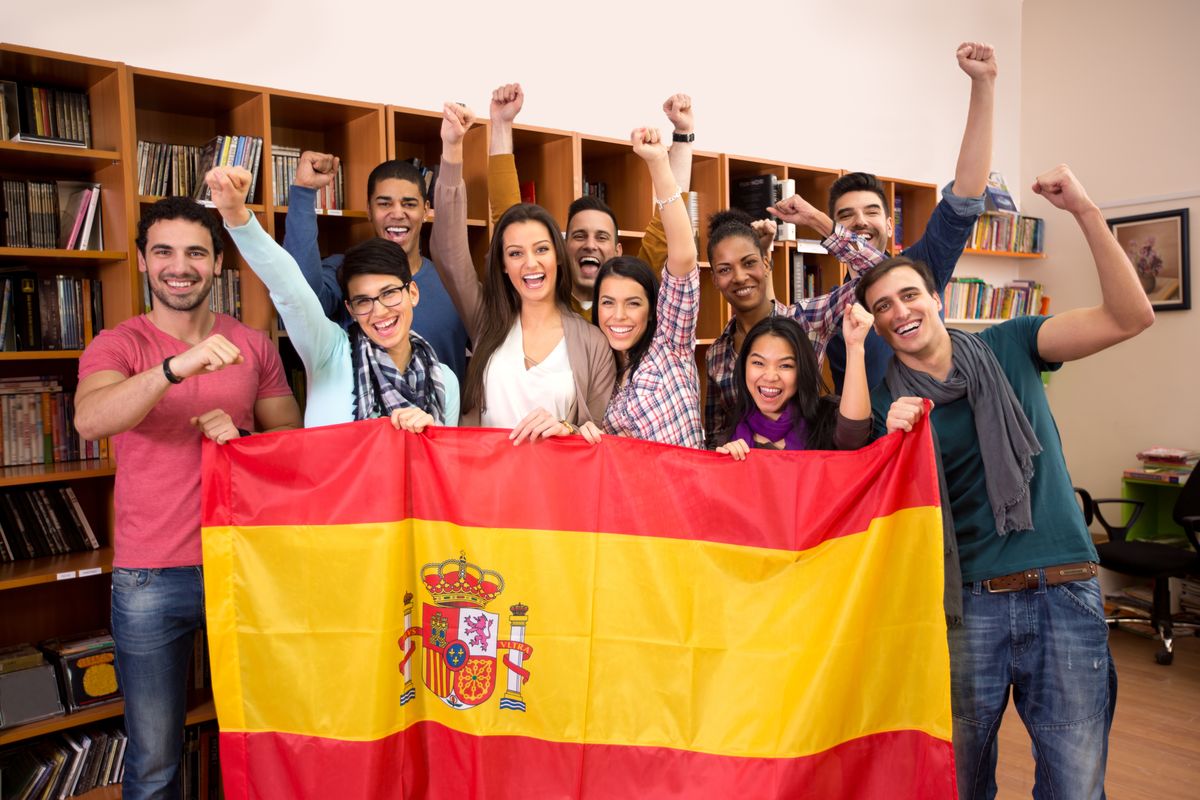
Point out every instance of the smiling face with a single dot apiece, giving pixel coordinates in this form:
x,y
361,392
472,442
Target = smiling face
x,y
740,273
591,241
179,263
771,374
385,326
623,312
863,213
530,260
906,313
397,213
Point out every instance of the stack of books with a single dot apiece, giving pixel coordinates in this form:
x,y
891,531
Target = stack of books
x,y
44,521
972,298
1164,465
284,163
229,151
51,214
44,115
66,765
37,419
1008,233
168,169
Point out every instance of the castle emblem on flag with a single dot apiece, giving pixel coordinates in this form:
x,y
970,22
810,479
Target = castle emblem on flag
x,y
460,638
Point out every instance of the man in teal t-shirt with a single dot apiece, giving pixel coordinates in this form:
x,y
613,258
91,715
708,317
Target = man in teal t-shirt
x,y
1033,619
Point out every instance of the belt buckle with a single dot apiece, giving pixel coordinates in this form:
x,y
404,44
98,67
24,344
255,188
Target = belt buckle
x,y
1031,582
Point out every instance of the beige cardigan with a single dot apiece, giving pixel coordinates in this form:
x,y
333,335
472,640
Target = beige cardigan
x,y
592,363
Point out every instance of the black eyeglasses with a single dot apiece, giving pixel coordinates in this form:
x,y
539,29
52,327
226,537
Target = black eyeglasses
x,y
389,298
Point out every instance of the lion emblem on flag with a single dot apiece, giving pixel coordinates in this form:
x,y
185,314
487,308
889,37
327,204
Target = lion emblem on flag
x,y
459,637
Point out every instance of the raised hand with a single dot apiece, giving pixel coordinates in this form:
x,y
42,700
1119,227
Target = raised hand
x,y
211,355
412,419
678,108
765,228
1063,190
904,413
977,59
647,144
506,103
316,170
856,323
217,425
456,121
228,186
799,211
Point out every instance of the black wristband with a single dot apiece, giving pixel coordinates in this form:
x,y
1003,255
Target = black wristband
x,y
171,376
683,137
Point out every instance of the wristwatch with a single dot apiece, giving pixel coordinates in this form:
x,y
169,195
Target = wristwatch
x,y
683,137
171,376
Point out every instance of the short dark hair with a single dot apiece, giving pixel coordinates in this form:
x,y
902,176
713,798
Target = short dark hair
x,y
184,208
591,203
728,223
399,170
373,256
857,182
635,269
887,265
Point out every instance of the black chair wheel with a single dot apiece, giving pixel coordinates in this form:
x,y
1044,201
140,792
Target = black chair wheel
x,y
1164,657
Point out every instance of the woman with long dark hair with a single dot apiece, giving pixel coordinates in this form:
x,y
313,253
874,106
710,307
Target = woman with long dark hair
x,y
536,367
652,329
781,400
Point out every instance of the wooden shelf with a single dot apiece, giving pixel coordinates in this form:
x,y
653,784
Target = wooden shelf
x,y
971,251
347,213
38,355
61,471
29,155
51,569
964,321
431,215
205,712
148,199
631,234
43,253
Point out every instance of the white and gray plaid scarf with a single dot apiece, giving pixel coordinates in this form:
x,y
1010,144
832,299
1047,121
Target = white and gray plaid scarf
x,y
380,388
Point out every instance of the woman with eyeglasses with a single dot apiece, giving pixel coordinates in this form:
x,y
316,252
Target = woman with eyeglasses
x,y
379,368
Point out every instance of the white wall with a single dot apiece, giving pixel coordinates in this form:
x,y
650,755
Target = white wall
x,y
1110,88
871,85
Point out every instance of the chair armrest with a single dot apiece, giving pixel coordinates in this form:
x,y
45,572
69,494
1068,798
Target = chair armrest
x,y
1117,533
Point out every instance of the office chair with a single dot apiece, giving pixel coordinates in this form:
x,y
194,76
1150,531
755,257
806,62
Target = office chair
x,y
1155,560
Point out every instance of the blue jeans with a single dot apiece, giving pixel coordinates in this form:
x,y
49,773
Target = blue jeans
x,y
155,614
1050,646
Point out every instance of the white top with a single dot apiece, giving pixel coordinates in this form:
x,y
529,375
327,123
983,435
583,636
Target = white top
x,y
510,391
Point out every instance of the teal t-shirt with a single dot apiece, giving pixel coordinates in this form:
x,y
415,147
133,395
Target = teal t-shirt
x,y
1059,535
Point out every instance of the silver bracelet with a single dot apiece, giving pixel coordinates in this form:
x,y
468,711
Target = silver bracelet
x,y
669,200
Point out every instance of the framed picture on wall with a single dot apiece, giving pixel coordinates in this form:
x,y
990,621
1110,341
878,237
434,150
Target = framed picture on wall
x,y
1157,244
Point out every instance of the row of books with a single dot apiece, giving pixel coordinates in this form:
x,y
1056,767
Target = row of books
x,y
898,224
971,298
284,163
168,169
43,521
597,189
1008,233
37,424
51,214
44,115
228,151
48,312
1164,465
67,764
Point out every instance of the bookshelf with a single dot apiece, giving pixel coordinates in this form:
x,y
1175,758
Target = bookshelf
x,y
129,104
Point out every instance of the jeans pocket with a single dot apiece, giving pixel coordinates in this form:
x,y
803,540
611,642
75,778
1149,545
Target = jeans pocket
x,y
1084,596
129,580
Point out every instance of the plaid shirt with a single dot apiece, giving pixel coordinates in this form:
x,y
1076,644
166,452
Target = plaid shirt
x,y
660,402
820,317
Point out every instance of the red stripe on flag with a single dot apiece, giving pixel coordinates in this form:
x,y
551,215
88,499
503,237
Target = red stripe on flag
x,y
430,760
473,477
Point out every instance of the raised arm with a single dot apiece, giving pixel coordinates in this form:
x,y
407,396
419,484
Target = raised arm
x,y
856,394
448,242
314,172
504,187
1124,309
678,108
978,60
677,227
852,250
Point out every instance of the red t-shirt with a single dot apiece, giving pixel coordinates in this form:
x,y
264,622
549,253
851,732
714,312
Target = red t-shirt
x,y
158,474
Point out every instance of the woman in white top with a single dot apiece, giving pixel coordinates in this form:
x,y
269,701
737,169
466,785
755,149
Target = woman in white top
x,y
536,367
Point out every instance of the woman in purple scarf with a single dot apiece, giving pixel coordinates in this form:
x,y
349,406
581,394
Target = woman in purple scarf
x,y
782,402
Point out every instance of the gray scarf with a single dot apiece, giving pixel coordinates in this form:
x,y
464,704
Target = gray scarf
x,y
1006,439
380,388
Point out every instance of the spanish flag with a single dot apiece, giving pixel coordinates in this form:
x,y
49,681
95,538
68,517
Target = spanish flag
x,y
449,616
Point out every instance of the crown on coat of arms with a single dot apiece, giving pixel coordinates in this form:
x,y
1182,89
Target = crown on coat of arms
x,y
459,583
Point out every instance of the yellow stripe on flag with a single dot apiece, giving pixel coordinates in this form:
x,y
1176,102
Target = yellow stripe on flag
x,y
649,641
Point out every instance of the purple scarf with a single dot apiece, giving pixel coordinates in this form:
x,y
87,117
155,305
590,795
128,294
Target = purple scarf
x,y
771,429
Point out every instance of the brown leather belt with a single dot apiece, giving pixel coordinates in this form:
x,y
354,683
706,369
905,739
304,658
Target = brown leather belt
x,y
1028,579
